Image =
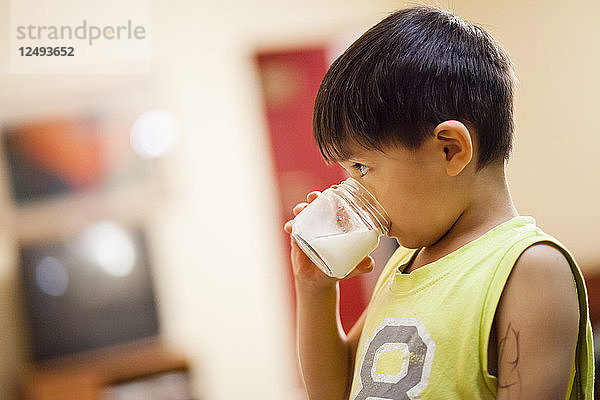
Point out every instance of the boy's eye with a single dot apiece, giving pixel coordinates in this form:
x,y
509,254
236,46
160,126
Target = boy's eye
x,y
362,169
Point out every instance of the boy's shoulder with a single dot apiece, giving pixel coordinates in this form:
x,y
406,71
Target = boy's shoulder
x,y
543,274
543,271
543,260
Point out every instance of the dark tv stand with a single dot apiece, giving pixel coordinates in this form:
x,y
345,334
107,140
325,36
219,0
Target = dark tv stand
x,y
87,376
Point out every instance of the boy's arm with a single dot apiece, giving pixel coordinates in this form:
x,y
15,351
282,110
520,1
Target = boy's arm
x,y
537,326
326,354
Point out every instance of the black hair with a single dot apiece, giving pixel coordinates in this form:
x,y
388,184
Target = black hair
x,y
416,68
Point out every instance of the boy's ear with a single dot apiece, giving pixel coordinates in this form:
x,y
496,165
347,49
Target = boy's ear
x,y
456,143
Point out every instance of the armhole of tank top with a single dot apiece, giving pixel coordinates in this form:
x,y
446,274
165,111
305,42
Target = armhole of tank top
x,y
576,387
494,292
397,258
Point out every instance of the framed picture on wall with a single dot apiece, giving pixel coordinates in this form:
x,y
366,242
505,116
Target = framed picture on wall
x,y
66,154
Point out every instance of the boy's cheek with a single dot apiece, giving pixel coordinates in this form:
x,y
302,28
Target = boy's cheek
x,y
406,217
391,203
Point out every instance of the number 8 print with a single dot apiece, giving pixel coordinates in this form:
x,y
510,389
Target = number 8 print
x,y
409,337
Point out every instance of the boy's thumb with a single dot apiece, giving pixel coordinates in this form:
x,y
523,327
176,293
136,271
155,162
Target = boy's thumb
x,y
363,267
366,265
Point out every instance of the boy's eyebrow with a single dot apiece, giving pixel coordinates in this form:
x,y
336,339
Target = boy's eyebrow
x,y
356,157
347,158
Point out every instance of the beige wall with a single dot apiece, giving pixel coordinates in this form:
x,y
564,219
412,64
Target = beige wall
x,y
554,173
232,317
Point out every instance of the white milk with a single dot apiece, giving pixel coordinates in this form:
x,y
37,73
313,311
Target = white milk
x,y
343,252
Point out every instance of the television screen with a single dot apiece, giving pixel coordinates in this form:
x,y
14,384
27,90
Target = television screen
x,y
88,291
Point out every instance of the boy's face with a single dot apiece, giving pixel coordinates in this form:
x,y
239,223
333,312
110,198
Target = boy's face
x,y
413,186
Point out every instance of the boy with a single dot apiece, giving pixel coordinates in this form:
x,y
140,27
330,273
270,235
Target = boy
x,y
477,303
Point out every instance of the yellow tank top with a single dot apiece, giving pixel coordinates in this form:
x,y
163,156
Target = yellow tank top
x,y
426,333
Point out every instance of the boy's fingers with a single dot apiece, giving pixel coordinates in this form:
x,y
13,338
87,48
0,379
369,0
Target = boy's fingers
x,y
312,195
288,227
299,207
365,266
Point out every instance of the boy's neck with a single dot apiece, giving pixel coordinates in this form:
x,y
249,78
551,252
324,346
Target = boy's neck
x,y
491,205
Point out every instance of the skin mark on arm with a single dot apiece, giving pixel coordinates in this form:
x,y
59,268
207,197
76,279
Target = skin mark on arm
x,y
509,378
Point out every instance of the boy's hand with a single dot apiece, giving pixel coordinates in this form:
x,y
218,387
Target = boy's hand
x,y
306,273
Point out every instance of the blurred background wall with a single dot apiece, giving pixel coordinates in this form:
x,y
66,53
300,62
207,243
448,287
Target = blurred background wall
x,y
214,230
